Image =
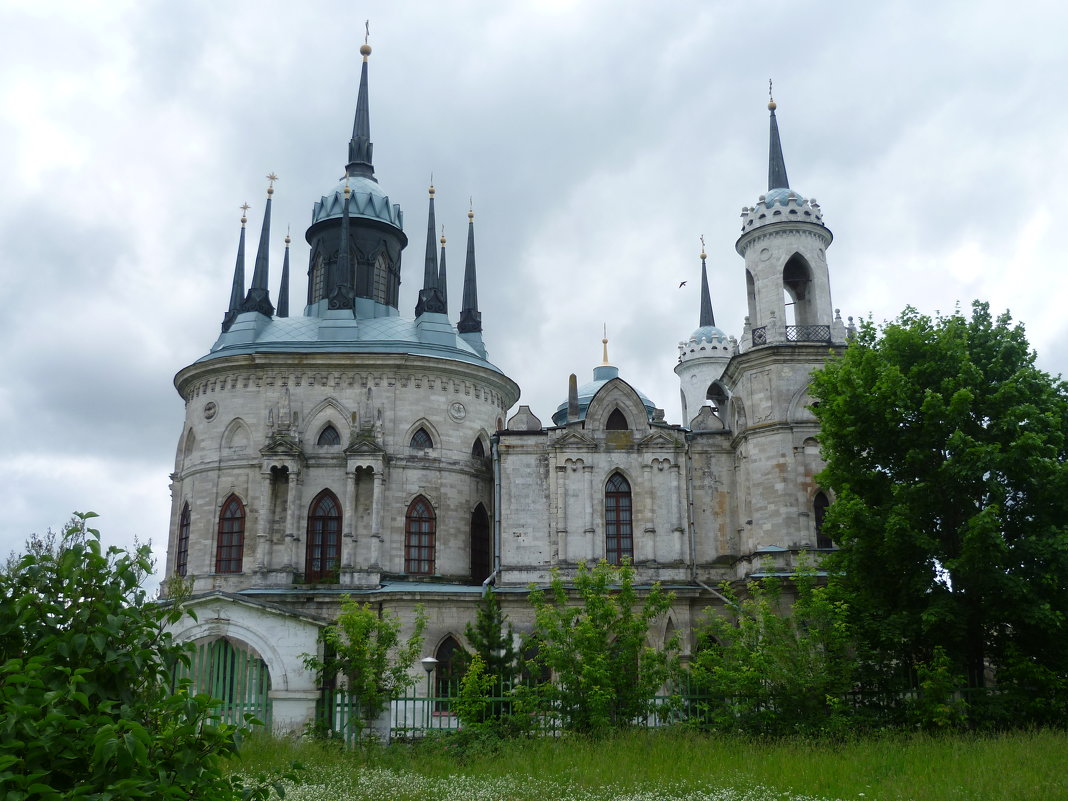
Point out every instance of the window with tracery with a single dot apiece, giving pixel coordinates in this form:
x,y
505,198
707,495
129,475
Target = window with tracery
x,y
323,553
231,544
618,528
419,532
329,438
617,421
421,441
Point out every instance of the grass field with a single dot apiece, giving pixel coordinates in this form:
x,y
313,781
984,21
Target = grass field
x,y
677,766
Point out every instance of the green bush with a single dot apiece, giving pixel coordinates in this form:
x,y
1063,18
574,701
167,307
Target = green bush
x,y
87,707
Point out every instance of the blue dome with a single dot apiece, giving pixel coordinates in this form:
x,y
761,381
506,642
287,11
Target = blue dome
x,y
781,196
601,376
366,199
708,332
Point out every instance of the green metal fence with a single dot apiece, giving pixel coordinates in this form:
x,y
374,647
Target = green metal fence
x,y
235,676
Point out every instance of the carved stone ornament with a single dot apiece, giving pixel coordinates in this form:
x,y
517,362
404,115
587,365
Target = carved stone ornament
x,y
210,410
457,411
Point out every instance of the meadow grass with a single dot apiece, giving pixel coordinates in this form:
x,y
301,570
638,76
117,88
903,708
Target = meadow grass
x,y
681,765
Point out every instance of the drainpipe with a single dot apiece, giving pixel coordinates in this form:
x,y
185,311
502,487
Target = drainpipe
x,y
496,455
693,532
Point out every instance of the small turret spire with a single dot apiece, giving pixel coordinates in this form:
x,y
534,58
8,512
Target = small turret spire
x,y
237,288
360,147
341,294
430,296
604,343
443,283
470,317
707,318
283,286
776,165
258,298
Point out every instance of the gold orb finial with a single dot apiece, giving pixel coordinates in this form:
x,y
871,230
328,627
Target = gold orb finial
x,y
288,240
365,49
470,209
431,190
270,187
703,256
348,191
443,234
244,212
771,100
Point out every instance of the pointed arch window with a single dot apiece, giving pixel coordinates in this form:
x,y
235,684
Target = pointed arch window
x,y
480,545
329,438
421,441
617,421
618,528
717,398
323,555
478,450
819,514
450,668
419,531
231,543
181,552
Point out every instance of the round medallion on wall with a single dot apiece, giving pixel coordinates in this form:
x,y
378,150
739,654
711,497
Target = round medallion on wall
x,y
457,411
210,410
765,254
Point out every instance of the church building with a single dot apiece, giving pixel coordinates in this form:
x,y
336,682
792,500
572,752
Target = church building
x,y
357,450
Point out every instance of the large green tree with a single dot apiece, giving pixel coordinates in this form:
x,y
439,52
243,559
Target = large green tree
x,y
945,449
88,706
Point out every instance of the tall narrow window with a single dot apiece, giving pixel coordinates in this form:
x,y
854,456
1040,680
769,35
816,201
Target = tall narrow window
x,y
329,438
819,513
324,538
617,421
478,450
449,669
421,441
181,553
419,530
231,545
480,544
619,534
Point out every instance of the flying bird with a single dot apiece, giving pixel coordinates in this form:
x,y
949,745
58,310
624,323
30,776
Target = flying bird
x,y
682,284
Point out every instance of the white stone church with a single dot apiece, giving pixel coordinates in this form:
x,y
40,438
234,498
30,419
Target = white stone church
x,y
357,450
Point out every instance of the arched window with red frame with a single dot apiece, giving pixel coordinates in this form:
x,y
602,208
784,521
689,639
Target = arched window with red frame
x,y
323,554
420,527
231,544
618,527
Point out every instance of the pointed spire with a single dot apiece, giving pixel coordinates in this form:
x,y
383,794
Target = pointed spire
x,y
258,298
430,295
604,342
341,294
360,147
237,288
283,286
443,283
707,318
776,165
470,317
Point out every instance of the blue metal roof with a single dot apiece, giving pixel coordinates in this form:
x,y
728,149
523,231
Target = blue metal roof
x,y
601,376
367,199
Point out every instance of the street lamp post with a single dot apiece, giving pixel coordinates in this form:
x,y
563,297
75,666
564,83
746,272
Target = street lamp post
x,y
428,663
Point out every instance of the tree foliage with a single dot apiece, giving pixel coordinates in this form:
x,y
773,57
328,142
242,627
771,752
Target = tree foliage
x,y
492,639
766,667
87,709
945,449
364,646
605,675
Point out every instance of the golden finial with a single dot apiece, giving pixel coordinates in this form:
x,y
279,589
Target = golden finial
x,y
244,213
470,209
604,343
703,256
272,178
771,100
443,233
431,190
348,191
288,240
365,49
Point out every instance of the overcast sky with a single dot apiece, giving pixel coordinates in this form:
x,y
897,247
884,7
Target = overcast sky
x,y
598,140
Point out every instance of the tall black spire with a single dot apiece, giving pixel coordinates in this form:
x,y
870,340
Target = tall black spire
x,y
237,288
258,298
707,319
470,317
776,166
283,286
360,147
341,293
443,281
430,295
